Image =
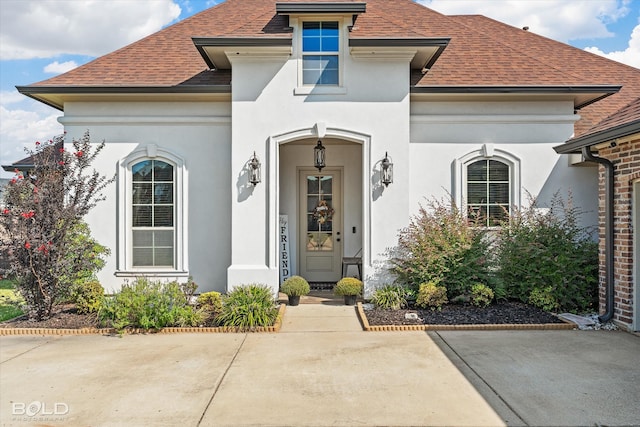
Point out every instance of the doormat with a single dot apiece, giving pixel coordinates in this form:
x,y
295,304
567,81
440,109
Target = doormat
x,y
322,286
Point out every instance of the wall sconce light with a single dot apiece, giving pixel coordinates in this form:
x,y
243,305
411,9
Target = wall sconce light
x,y
254,169
318,156
387,170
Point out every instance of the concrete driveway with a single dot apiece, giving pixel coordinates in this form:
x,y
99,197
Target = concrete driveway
x,y
321,369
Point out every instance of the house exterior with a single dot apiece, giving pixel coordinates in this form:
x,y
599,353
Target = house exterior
x,y
213,127
615,143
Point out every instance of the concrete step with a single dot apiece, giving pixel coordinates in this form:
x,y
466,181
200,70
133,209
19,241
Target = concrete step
x,y
321,317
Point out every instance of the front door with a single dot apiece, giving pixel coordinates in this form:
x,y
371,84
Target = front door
x,y
320,225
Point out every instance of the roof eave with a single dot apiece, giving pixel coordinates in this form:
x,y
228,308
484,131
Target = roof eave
x,y
213,49
17,166
320,7
598,91
427,50
575,145
39,93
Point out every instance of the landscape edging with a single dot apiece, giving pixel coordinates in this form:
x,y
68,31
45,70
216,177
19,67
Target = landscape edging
x,y
567,325
168,330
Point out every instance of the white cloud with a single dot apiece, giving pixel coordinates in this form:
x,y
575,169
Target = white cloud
x,y
557,19
47,28
59,68
10,97
26,122
629,56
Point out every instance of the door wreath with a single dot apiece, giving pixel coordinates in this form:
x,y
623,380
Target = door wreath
x,y
323,212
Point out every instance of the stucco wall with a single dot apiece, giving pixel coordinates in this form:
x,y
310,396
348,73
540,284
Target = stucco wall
x,y
371,109
232,225
199,133
442,132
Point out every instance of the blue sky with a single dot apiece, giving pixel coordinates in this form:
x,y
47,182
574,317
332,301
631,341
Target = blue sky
x,y
42,38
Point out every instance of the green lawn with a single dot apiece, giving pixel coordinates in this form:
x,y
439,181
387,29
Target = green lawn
x,y
8,300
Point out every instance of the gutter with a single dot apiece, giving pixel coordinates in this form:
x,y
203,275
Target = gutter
x,y
608,230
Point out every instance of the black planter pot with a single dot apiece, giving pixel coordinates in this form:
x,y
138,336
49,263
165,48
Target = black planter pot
x,y
294,300
350,299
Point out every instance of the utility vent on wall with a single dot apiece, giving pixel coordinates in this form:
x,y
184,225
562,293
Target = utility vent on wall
x,y
577,159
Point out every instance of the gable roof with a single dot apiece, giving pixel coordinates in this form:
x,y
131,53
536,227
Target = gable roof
x,y
482,56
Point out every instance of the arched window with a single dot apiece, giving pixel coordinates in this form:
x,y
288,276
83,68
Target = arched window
x,y
488,191
152,214
152,185
487,184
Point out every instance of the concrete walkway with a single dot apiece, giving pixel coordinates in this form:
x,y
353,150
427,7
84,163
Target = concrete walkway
x,y
321,370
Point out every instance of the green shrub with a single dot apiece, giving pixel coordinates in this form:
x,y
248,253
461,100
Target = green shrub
x,y
431,295
149,304
348,286
441,244
211,302
543,298
295,286
392,297
88,296
549,251
481,295
247,307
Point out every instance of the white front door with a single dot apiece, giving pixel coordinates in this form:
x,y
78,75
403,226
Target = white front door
x,y
320,225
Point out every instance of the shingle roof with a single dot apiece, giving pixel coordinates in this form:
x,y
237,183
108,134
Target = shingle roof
x,y
482,52
559,56
626,115
620,124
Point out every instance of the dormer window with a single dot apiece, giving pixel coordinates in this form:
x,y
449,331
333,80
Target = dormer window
x,y
320,53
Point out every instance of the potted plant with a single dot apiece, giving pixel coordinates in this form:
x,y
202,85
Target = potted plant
x,y
294,287
350,288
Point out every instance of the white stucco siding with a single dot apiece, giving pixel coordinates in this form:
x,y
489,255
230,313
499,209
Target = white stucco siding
x,y
442,132
200,134
373,103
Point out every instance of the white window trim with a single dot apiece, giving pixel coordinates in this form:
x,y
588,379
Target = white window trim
x,y
125,215
302,89
486,152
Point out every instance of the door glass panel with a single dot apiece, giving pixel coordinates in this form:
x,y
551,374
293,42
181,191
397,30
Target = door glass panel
x,y
326,184
320,213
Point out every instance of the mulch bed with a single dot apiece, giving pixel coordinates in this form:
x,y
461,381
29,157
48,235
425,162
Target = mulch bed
x,y
64,317
501,313
505,312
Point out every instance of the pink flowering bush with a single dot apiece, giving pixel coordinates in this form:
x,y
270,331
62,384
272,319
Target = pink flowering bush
x,y
42,213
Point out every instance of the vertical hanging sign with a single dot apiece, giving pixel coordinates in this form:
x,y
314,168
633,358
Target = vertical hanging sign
x,y
283,248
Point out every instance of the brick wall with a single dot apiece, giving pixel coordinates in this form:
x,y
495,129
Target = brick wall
x,y
626,159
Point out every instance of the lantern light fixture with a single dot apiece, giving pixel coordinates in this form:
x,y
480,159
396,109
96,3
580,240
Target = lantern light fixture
x,y
318,156
387,170
254,169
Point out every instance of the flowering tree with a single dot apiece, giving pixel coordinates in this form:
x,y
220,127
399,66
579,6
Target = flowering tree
x,y
43,210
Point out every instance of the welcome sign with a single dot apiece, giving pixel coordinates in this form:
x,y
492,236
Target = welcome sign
x,y
285,269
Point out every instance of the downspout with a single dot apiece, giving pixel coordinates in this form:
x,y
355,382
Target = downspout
x,y
608,230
